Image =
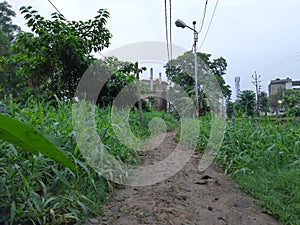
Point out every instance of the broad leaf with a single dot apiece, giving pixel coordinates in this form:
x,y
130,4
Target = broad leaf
x,y
30,140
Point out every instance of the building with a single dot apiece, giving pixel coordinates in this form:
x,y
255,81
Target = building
x,y
276,85
156,90
280,84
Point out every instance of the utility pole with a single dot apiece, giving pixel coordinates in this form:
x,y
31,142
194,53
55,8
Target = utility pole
x,y
256,83
139,93
181,24
196,68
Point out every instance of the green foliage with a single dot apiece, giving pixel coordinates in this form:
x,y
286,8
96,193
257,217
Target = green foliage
x,y
30,140
291,98
179,69
263,101
6,25
7,35
246,103
274,101
7,29
230,109
53,58
263,156
38,190
143,131
285,100
294,111
122,74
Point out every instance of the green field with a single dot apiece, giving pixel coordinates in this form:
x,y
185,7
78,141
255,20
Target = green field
x,y
261,155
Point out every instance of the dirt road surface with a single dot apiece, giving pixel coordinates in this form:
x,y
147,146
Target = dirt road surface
x,y
188,198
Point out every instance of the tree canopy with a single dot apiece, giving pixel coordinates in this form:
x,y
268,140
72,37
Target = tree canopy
x,y
53,58
7,28
246,103
180,70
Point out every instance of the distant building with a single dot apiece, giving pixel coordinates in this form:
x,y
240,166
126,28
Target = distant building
x,y
276,85
158,91
280,84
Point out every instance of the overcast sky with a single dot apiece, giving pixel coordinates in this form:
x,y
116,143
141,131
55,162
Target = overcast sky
x,y
252,35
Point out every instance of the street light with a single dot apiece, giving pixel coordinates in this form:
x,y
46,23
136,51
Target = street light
x,y
180,23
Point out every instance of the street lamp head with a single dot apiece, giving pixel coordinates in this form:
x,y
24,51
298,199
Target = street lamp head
x,y
180,23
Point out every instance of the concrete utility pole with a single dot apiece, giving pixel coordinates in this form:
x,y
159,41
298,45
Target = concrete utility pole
x,y
256,83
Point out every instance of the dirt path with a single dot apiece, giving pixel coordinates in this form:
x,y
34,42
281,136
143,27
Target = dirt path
x,y
187,198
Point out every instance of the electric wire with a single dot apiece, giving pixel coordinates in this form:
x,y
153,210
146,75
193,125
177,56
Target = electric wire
x,y
280,63
278,67
209,24
291,55
203,17
171,45
55,7
166,27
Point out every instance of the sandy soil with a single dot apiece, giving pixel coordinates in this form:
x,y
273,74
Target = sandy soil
x,y
187,198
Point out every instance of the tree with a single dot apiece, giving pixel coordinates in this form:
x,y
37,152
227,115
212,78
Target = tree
x,y
230,109
263,101
290,98
54,57
7,28
178,71
7,36
122,73
275,101
246,103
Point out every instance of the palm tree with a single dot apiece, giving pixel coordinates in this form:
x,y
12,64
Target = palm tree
x,y
246,102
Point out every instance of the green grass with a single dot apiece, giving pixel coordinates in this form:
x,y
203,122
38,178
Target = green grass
x,y
38,190
263,156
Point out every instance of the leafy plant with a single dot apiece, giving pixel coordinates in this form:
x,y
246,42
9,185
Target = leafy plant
x,y
30,140
54,57
36,189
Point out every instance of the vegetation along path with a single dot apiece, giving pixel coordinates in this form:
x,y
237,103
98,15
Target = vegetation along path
x,y
189,197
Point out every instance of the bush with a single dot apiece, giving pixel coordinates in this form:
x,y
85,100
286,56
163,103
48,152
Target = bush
x,y
294,111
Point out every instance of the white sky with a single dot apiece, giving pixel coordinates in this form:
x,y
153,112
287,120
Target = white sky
x,y
249,34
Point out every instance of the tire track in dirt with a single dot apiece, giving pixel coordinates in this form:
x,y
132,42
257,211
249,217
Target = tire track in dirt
x,y
187,198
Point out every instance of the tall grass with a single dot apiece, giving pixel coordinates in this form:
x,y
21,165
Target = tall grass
x,y
263,156
38,190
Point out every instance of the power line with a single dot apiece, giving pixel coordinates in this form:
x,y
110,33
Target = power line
x,y
166,24
55,7
283,59
280,66
204,13
209,24
171,48
280,63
